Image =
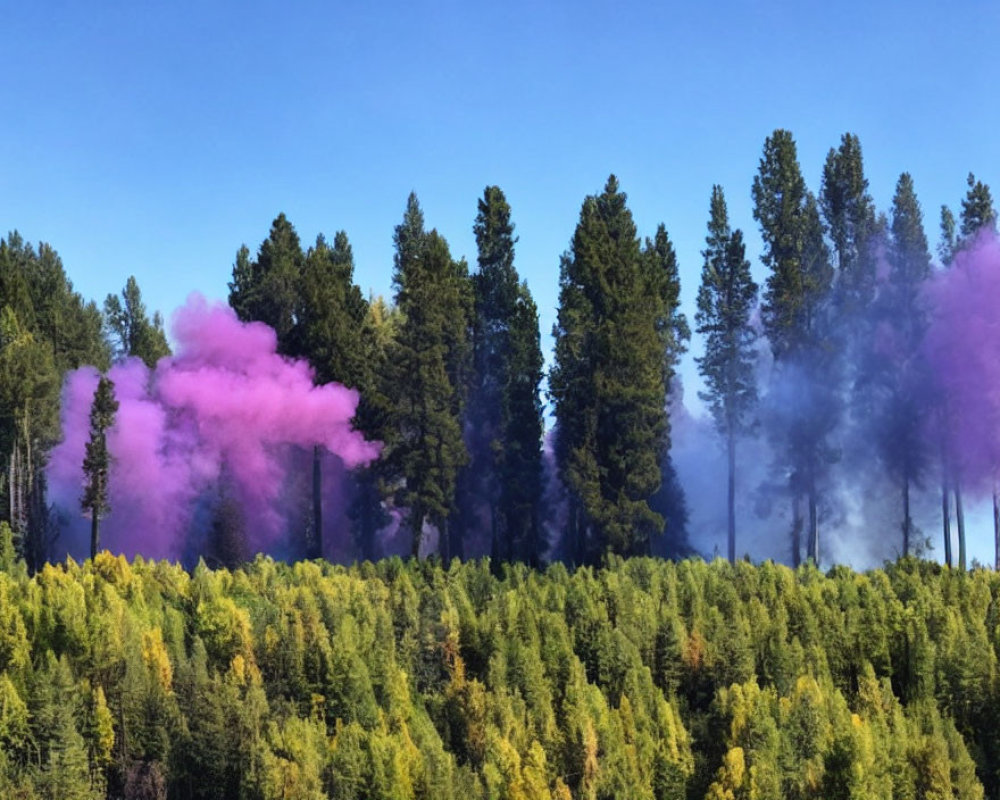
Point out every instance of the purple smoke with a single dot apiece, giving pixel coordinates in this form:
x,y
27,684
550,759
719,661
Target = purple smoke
x,y
225,402
963,347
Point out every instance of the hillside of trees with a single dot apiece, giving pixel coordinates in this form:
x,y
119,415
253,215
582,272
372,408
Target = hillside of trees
x,y
641,679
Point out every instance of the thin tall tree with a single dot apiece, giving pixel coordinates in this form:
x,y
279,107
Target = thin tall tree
x,y
97,461
725,301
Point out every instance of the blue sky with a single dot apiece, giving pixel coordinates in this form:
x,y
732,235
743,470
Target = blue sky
x,y
154,139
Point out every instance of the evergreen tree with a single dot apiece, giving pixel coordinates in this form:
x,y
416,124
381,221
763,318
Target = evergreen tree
x,y
850,216
521,466
608,380
132,332
503,422
429,362
978,212
329,317
266,289
669,500
725,301
97,461
794,312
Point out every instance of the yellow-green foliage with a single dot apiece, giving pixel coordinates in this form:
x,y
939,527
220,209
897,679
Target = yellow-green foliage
x,y
645,679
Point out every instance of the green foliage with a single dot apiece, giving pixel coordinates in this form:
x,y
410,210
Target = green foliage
x,y
428,370
608,381
97,461
132,332
644,679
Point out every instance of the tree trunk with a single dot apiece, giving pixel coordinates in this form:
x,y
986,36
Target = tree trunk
x,y
95,521
813,526
317,543
796,531
960,522
996,529
731,498
946,515
417,524
444,542
906,517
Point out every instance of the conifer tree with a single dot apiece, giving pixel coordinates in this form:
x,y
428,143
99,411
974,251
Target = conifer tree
x,y
521,467
266,289
503,421
329,314
608,381
424,447
850,216
131,329
725,301
899,371
977,214
793,312
97,461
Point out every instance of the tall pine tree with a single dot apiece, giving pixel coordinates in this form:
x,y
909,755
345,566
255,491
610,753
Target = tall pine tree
x,y
895,364
503,422
725,301
429,363
608,381
795,319
131,329
266,289
97,461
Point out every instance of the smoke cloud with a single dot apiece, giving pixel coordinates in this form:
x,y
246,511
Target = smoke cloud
x,y
225,407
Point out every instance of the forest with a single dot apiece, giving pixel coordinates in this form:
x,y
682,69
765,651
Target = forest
x,y
645,678
861,372
203,590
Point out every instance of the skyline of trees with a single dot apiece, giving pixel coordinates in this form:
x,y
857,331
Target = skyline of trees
x,y
450,369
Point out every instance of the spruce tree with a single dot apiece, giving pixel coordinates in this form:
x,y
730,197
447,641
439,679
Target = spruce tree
x,y
794,315
905,374
725,301
850,216
329,315
978,212
97,461
503,421
266,289
132,331
521,481
660,261
608,381
424,447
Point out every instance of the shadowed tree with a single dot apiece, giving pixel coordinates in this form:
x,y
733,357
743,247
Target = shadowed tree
x,y
793,314
429,367
97,461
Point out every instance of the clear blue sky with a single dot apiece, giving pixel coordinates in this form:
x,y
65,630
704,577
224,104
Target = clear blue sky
x,y
154,139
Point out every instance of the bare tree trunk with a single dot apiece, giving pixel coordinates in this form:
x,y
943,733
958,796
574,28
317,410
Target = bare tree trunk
x,y
906,517
813,526
996,528
946,514
796,531
317,487
732,498
960,520
95,522
417,524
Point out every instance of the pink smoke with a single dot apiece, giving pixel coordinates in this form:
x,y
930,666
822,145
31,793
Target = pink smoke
x,y
225,398
963,348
